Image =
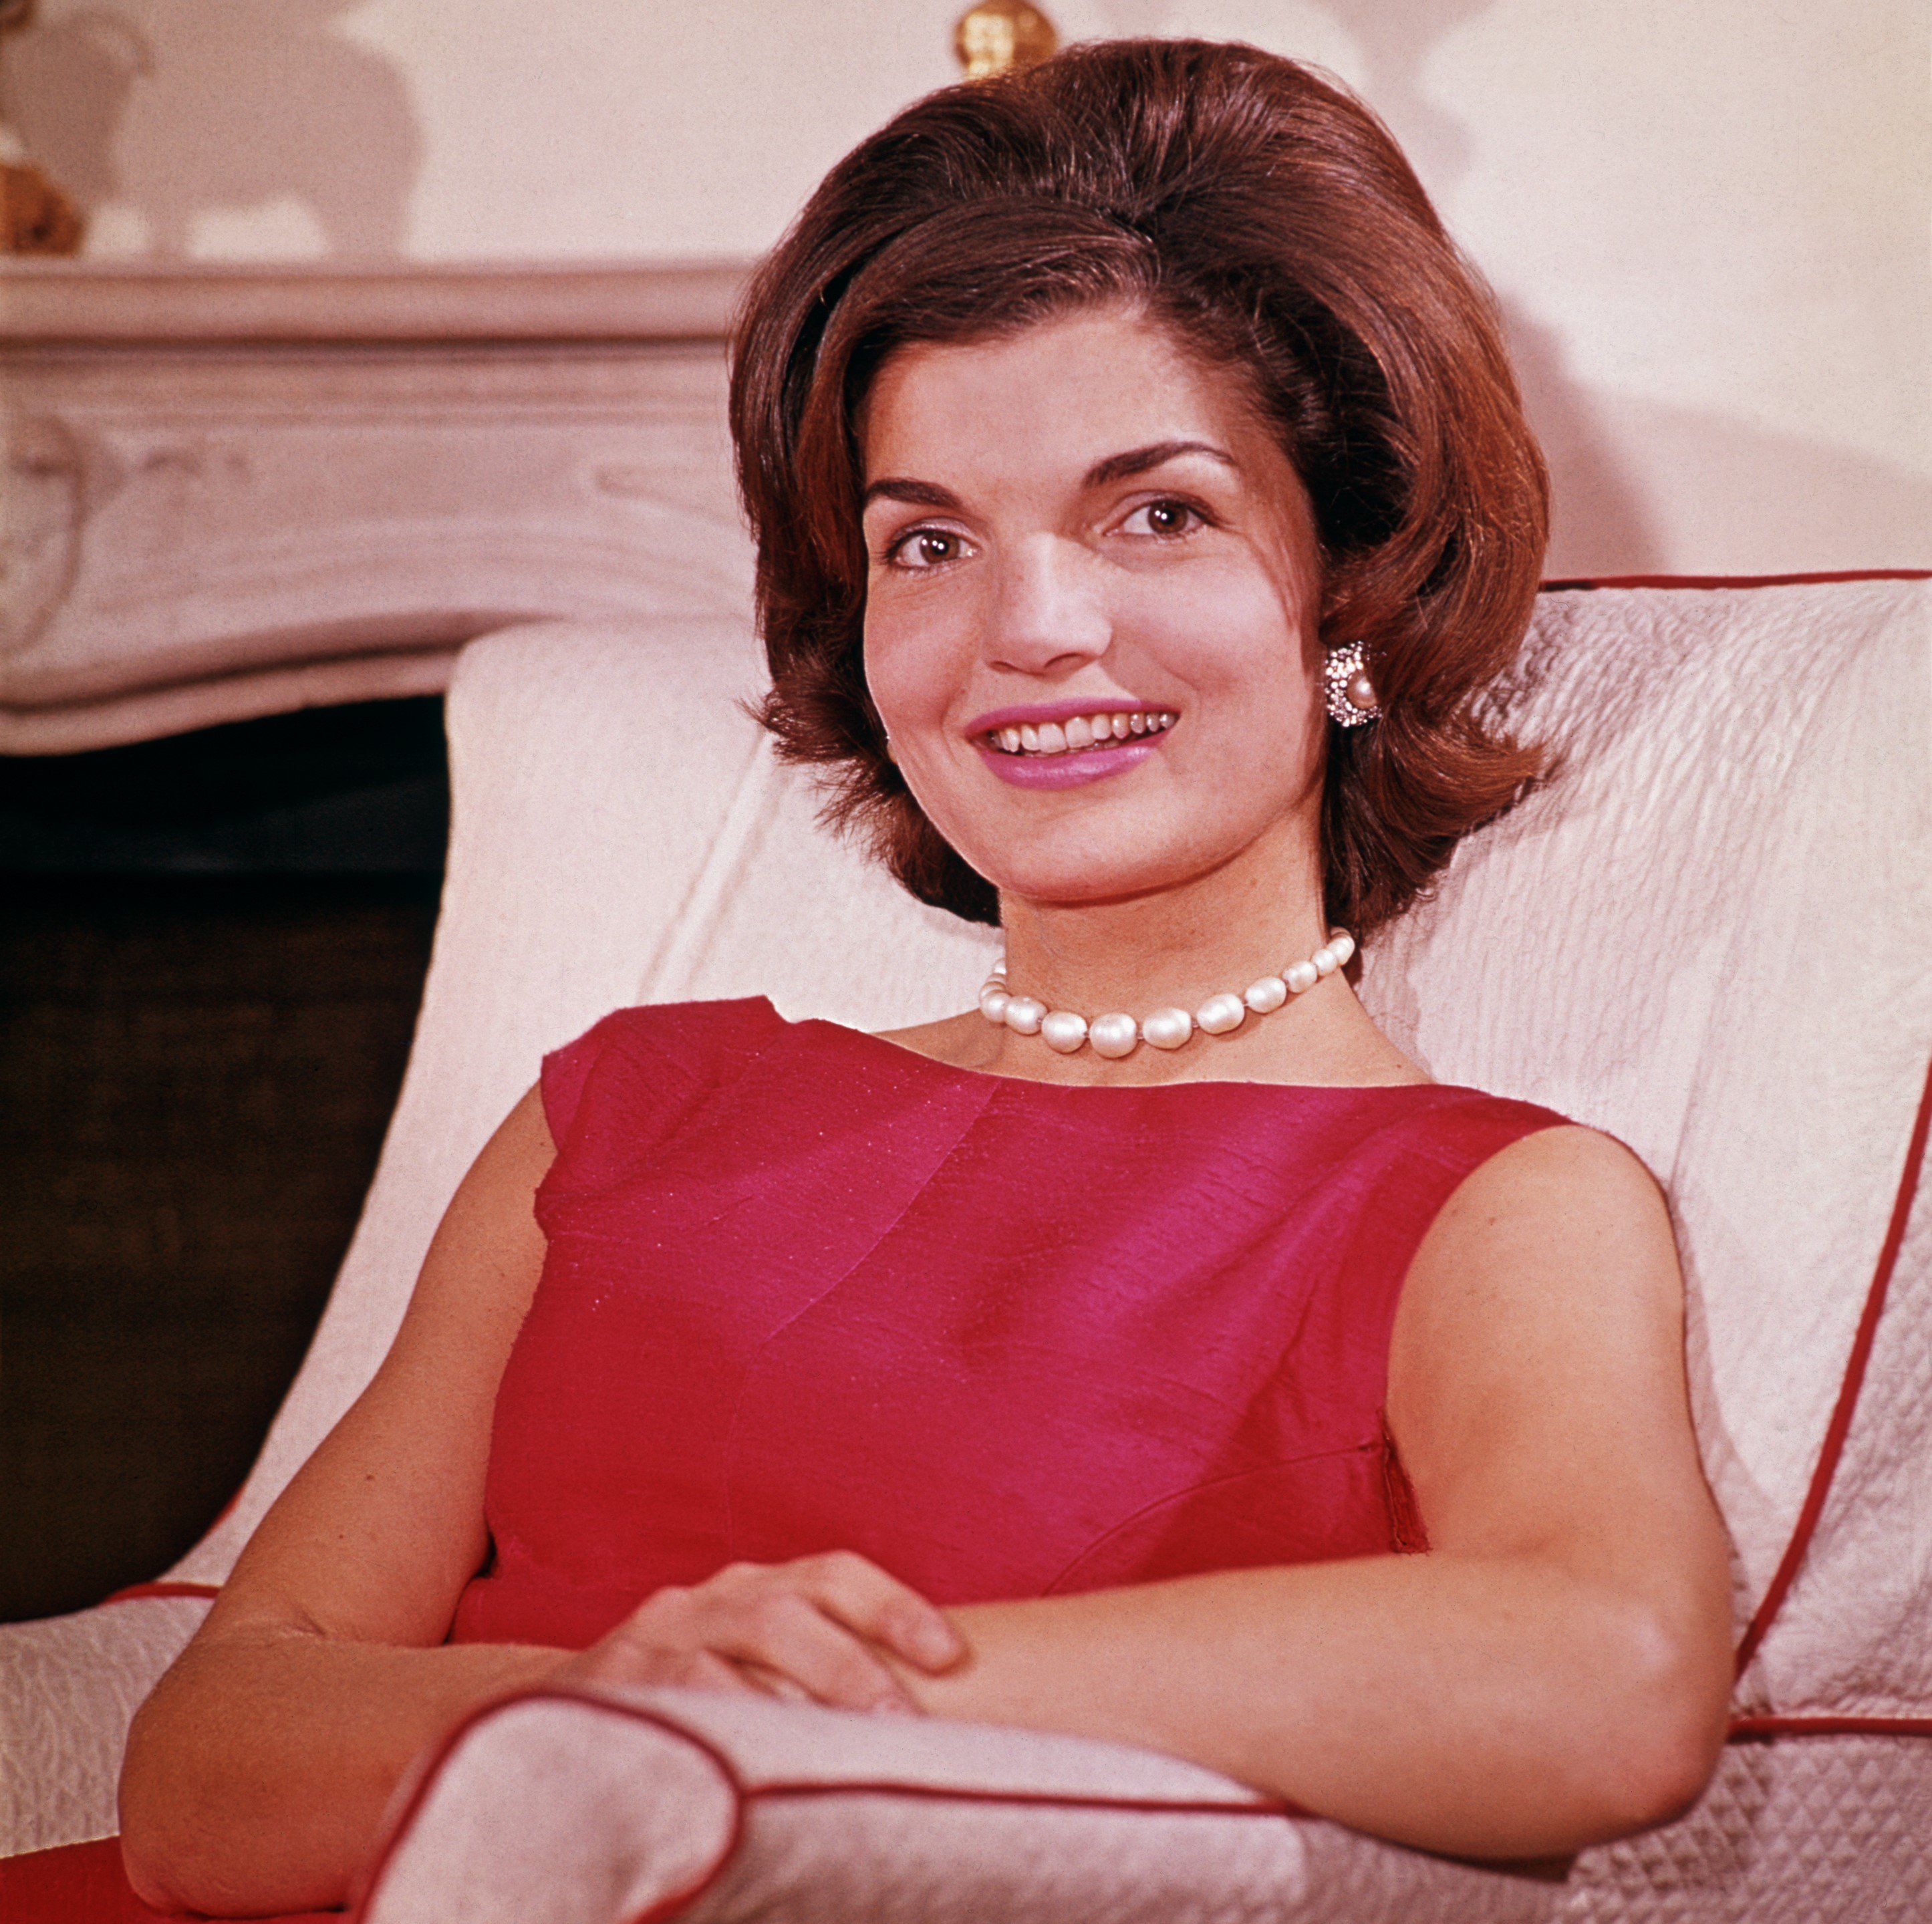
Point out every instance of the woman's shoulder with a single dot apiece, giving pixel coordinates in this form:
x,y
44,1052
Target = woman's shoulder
x,y
1549,1199
1406,1150
1545,1159
1457,1124
638,1060
691,1035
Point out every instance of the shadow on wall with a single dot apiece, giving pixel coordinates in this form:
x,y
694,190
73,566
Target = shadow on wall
x,y
181,118
1734,498
1599,524
1396,38
1638,486
1644,487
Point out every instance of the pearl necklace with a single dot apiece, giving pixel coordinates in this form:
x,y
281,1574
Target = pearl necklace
x,y
1118,1035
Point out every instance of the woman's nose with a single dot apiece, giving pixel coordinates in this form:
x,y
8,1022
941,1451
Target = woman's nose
x,y
1048,614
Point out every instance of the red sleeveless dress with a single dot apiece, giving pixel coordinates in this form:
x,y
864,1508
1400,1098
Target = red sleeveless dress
x,y
805,1289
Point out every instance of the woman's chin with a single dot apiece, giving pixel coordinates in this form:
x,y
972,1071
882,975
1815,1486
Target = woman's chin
x,y
1088,883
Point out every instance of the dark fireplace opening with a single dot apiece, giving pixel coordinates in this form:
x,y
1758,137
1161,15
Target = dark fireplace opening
x,y
211,961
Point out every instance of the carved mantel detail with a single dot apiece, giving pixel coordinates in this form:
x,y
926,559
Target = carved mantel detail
x,y
233,491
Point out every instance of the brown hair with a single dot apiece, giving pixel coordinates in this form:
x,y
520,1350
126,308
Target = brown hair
x,y
1268,218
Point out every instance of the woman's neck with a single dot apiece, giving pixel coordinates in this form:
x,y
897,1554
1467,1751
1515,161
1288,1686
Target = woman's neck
x,y
1216,934
1178,949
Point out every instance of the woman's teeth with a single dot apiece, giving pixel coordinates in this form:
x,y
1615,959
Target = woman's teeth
x,y
1084,731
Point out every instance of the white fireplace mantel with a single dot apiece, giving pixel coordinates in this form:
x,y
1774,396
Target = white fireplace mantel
x,y
231,491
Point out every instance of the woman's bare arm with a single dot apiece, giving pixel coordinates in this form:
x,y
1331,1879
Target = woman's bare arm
x,y
1555,1671
256,1774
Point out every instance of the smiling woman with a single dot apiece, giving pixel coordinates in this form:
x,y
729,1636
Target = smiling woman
x,y
1269,231
1142,506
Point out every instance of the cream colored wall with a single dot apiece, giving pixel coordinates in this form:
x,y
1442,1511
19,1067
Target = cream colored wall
x,y
1707,218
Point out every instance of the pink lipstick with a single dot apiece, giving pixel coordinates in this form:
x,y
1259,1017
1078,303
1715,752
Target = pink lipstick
x,y
1072,770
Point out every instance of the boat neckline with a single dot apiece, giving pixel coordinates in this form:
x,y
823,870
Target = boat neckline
x,y
993,1075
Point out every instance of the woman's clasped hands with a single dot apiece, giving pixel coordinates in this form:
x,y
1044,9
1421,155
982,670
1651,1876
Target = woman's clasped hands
x,y
820,1629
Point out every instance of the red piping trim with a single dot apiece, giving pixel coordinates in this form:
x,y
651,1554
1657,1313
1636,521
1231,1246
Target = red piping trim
x,y
744,1795
1848,1390
1571,584
1763,1730
135,1592
967,1793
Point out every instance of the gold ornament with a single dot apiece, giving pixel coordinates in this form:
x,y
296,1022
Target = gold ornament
x,y
35,216
1003,37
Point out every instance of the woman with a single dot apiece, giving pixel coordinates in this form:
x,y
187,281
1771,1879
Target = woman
x,y
1143,502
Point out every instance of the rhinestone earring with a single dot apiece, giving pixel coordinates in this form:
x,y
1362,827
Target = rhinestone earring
x,y
1346,690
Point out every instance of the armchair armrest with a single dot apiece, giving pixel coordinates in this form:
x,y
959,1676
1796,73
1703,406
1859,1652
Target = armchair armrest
x,y
665,1804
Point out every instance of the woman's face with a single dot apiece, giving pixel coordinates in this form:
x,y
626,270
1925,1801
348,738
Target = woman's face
x,y
1090,614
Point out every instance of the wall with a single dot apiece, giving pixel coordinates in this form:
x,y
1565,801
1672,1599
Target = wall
x,y
1708,222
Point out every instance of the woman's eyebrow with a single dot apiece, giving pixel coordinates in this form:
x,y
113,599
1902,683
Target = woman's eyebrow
x,y
1138,460
920,493
1115,467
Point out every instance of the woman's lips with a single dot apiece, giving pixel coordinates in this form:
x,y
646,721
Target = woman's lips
x,y
1072,769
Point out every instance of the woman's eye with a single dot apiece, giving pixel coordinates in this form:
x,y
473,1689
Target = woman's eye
x,y
1163,518
926,547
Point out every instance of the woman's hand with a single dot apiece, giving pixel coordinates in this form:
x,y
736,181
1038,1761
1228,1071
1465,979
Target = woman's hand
x,y
818,1630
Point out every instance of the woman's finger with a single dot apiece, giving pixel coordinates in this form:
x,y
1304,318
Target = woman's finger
x,y
784,1631
625,1658
776,1683
866,1599
705,1670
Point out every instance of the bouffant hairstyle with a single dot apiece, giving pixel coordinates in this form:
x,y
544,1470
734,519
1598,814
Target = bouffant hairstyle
x,y
1266,217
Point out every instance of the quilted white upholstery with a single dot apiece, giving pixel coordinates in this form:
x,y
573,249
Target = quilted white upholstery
x,y
1707,936
1711,939
69,1688
1855,1636
1813,1830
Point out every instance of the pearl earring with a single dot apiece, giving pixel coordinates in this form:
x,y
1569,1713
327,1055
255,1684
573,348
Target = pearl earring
x,y
1346,690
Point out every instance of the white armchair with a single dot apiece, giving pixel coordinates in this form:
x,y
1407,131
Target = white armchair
x,y
1708,936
